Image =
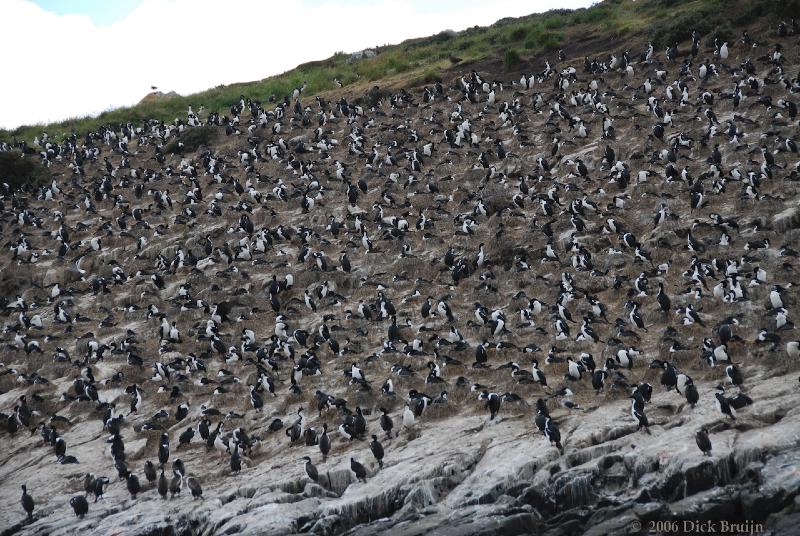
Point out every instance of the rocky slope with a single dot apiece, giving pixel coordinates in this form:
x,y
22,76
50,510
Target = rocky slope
x,y
456,470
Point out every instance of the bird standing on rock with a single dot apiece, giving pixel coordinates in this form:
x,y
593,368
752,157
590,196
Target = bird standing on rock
x,y
377,450
27,503
703,442
553,434
387,424
358,469
195,487
133,485
637,411
79,505
163,485
324,442
311,470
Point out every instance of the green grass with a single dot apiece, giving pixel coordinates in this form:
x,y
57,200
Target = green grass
x,y
512,58
418,61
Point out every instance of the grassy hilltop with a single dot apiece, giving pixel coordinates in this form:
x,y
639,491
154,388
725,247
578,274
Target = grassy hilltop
x,y
511,41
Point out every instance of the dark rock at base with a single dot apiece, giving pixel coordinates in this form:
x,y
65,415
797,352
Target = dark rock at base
x,y
782,524
714,504
650,511
781,478
534,497
699,477
625,523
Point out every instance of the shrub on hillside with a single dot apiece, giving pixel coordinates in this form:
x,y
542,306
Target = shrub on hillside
x,y
557,19
780,9
465,44
723,32
679,29
495,198
517,34
786,8
18,170
373,97
428,77
591,15
551,40
512,58
192,139
443,36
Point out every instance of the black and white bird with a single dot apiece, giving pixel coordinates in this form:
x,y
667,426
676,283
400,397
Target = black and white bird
x,y
552,433
637,411
723,406
386,422
492,403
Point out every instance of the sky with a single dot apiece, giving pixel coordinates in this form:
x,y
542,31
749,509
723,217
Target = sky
x,y
72,58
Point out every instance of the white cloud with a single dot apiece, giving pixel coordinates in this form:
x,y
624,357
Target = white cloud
x,y
62,66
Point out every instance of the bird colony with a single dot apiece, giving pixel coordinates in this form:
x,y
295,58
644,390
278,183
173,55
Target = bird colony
x,y
413,309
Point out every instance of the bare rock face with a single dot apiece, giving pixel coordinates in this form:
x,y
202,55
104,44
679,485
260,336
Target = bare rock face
x,y
472,175
788,219
158,95
361,54
512,166
341,265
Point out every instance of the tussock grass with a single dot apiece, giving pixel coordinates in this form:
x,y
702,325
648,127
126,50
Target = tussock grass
x,y
18,170
512,58
192,139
